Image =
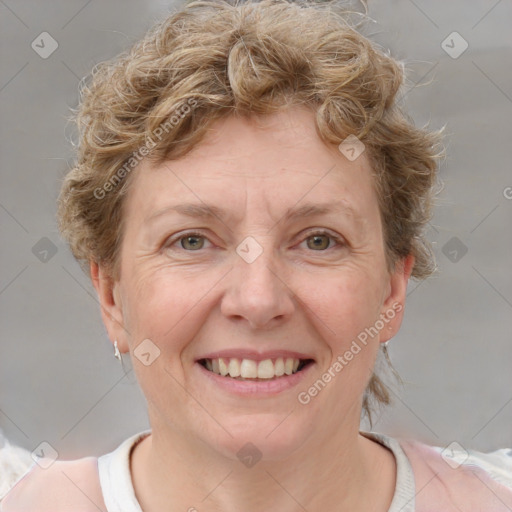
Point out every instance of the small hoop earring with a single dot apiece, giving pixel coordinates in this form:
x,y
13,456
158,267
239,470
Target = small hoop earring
x,y
117,354
385,345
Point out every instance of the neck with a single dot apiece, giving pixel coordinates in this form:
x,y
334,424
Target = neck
x,y
339,470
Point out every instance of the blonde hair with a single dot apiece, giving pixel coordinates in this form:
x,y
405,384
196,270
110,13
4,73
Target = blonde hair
x,y
213,59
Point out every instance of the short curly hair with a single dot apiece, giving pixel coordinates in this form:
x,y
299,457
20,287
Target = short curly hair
x,y
217,58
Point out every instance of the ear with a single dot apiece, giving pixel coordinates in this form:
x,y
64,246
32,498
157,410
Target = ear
x,y
392,311
111,305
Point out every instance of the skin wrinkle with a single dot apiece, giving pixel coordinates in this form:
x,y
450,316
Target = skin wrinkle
x,y
203,211
291,297
187,91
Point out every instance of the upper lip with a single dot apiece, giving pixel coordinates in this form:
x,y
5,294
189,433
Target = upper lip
x,y
240,353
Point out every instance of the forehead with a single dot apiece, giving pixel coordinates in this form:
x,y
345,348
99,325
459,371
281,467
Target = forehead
x,y
272,162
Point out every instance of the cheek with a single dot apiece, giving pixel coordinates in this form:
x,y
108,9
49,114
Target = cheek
x,y
162,304
164,308
344,308
343,304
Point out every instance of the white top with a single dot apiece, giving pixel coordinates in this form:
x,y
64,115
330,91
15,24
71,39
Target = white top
x,y
116,479
119,495
464,486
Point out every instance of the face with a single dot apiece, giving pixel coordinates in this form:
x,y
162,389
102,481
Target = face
x,y
259,251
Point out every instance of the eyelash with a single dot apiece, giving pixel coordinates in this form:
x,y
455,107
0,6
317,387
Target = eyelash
x,y
339,241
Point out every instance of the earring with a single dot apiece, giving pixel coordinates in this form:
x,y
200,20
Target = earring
x,y
117,354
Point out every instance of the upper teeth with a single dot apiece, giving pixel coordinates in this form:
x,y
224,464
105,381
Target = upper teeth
x,y
250,369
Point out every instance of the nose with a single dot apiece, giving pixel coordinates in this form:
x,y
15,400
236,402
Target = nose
x,y
257,293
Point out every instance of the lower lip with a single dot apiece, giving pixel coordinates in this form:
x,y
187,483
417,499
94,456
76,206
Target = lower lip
x,y
256,388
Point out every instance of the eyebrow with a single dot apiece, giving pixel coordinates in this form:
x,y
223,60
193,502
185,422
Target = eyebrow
x,y
312,210
205,211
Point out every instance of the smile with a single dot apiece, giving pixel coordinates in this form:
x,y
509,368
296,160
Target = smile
x,y
249,369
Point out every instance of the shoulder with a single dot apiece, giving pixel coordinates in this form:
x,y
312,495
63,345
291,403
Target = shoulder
x,y
65,485
454,478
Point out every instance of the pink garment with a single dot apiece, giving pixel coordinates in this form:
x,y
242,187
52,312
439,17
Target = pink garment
x,y
75,485
63,487
441,488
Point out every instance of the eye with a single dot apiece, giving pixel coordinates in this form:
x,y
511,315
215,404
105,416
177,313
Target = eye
x,y
322,240
318,241
188,242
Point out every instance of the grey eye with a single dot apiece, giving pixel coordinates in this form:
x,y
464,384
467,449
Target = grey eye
x,y
192,242
318,242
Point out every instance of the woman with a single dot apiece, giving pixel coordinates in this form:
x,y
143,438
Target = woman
x,y
250,203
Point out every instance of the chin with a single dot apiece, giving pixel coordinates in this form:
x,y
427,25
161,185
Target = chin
x,y
268,437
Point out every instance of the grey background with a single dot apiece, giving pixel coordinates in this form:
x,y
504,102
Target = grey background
x,y
59,381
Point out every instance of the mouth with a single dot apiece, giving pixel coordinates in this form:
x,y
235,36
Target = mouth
x,y
257,371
